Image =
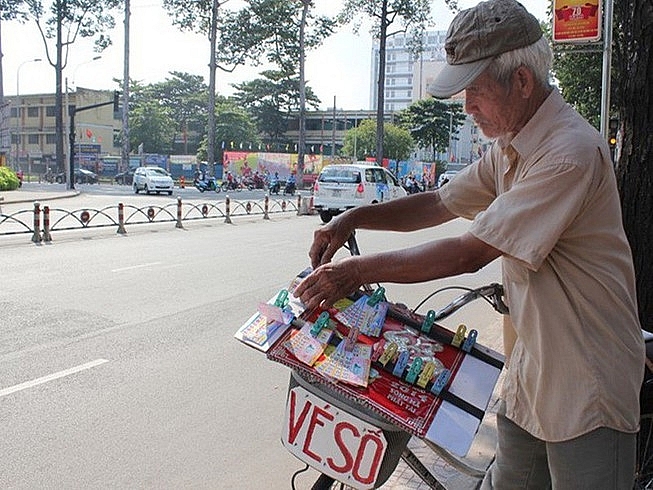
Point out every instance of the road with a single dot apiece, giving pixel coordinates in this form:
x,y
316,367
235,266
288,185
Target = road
x,y
119,367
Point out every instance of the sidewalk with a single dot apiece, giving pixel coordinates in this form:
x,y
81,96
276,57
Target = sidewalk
x,y
27,195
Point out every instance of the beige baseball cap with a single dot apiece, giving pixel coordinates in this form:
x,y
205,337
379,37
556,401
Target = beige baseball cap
x,y
476,36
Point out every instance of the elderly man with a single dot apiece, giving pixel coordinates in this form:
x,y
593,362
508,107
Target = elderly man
x,y
544,199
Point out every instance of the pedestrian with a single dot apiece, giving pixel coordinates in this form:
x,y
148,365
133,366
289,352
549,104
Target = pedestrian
x,y
543,198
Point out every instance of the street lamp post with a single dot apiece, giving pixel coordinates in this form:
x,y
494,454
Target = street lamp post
x,y
18,107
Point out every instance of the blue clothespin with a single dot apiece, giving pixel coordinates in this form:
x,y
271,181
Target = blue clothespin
x,y
321,322
429,320
414,370
470,340
282,298
400,365
460,335
377,296
440,382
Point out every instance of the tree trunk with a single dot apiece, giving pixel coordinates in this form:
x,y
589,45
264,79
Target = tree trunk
x,y
635,163
58,101
210,147
380,96
302,95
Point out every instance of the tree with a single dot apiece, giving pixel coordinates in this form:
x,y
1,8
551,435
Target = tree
x,y
233,124
360,142
432,123
151,125
185,95
579,75
64,21
412,15
634,167
270,100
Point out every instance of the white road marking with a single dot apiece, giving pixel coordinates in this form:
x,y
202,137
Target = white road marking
x,y
51,377
140,266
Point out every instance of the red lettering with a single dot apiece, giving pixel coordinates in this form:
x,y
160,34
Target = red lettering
x,y
317,411
295,427
348,457
376,459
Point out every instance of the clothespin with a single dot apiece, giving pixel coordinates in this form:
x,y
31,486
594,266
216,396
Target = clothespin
x,y
388,353
377,296
351,338
378,350
400,365
440,382
282,298
426,374
460,335
321,322
470,340
414,370
429,319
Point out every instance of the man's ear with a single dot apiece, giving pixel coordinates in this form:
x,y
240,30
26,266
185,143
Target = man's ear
x,y
525,81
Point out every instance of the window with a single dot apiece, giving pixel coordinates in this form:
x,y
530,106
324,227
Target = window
x,y
32,112
51,139
15,139
33,139
14,112
49,111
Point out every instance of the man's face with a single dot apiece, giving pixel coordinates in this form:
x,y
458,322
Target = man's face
x,y
497,110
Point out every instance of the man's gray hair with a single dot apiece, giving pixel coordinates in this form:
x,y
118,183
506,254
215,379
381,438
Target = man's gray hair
x,y
537,57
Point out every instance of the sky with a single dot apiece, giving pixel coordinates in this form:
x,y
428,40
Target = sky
x,y
338,71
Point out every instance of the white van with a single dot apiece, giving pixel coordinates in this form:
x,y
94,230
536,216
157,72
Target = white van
x,y
340,187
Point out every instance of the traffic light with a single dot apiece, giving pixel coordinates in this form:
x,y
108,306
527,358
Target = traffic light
x,y
116,101
613,128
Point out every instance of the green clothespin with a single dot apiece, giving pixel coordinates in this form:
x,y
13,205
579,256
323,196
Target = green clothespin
x,y
377,296
321,322
429,320
282,299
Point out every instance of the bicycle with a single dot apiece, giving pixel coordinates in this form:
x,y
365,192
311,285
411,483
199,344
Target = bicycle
x,y
360,416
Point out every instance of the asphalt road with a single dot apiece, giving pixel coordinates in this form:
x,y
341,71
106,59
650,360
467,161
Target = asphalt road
x,y
118,364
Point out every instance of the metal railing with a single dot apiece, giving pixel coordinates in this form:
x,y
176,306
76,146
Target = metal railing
x,y
42,222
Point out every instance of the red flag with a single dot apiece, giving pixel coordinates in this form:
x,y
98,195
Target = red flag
x,y
89,133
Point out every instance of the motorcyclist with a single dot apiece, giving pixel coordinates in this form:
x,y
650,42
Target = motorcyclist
x,y
274,184
291,184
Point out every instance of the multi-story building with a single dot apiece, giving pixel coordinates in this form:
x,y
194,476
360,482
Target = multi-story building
x,y
31,123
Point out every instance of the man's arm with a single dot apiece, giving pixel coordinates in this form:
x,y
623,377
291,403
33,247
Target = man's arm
x,y
433,260
409,213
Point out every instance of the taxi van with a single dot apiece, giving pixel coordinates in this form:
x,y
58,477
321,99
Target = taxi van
x,y
344,186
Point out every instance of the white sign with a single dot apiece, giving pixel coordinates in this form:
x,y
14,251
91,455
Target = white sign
x,y
332,441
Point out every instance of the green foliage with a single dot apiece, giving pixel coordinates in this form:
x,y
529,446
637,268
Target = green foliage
x,y
13,9
233,124
397,142
580,79
185,96
8,179
431,122
151,124
270,100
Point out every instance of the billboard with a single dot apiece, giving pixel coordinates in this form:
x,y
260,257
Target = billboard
x,y
577,20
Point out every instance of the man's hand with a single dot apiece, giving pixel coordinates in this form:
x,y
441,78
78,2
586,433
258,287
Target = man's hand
x,y
329,283
328,240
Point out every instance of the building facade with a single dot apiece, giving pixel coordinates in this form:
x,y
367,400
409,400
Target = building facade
x,y
32,128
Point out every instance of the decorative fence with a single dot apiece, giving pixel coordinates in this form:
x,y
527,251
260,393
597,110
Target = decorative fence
x,y
42,222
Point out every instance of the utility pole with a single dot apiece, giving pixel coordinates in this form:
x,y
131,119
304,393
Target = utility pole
x,y
125,150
